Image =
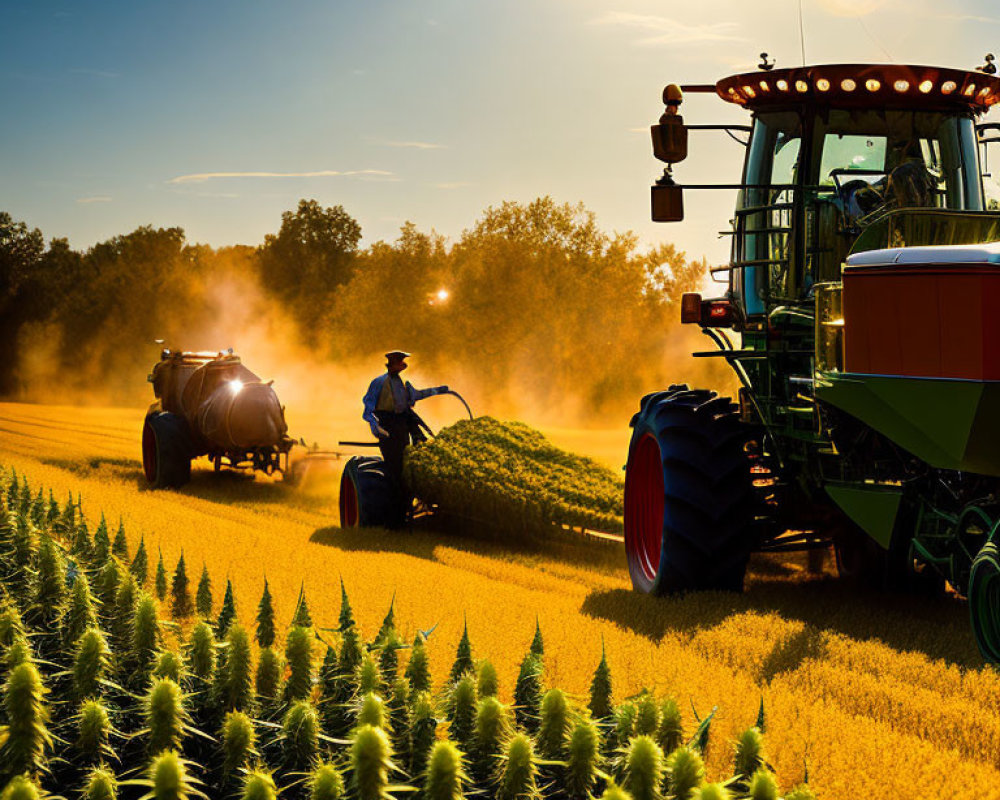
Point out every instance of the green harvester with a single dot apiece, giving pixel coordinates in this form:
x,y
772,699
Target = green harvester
x,y
861,316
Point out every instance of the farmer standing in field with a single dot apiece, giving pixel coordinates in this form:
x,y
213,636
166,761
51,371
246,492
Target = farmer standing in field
x,y
389,411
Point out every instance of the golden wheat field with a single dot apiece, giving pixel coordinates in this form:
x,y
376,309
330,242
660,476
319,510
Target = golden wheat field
x,y
878,696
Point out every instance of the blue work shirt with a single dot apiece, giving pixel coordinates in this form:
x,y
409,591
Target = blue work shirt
x,y
404,397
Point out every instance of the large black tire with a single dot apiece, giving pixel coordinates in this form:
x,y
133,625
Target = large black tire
x,y
689,498
368,496
166,450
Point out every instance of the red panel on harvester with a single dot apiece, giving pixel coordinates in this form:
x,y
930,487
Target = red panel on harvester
x,y
937,319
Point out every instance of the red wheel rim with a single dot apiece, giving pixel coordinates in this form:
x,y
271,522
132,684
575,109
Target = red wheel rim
x,y
644,493
348,503
149,451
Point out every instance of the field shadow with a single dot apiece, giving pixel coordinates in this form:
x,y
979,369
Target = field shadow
x,y
937,627
125,469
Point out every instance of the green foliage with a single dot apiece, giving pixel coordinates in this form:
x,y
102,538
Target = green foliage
x,y
161,579
102,542
670,735
486,469
203,597
106,584
300,737
326,783
647,715
423,732
583,759
801,792
234,680
124,610
445,778
91,664
494,727
644,769
21,788
712,791
268,678
601,703
265,618
50,583
258,785
299,655
624,723
750,755
613,792
528,692
146,634
418,671
519,772
81,612
227,614
82,545
346,619
239,742
201,653
462,711
180,591
371,711
169,665
165,716
119,547
101,785
140,564
367,675
302,618
763,786
388,626
93,732
25,740
686,772
554,724
463,657
371,763
487,681
168,777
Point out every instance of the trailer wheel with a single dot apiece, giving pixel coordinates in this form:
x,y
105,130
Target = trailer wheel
x,y
688,494
984,599
166,450
368,496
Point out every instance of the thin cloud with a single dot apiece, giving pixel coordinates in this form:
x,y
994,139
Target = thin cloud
x,y
201,177
416,145
102,198
452,185
663,30
852,8
95,73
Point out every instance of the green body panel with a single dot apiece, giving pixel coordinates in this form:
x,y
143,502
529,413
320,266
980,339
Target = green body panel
x,y
872,507
950,424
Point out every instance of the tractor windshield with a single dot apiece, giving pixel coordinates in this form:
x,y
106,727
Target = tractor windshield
x,y
815,181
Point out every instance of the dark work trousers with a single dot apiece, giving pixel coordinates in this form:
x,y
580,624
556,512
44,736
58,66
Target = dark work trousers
x,y
392,447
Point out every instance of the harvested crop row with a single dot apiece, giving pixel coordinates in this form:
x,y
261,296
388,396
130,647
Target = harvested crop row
x,y
484,469
96,690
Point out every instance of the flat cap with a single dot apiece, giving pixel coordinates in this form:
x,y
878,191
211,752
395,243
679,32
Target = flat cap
x,y
393,355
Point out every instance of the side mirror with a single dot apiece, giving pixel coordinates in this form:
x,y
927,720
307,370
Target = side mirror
x,y
667,202
670,139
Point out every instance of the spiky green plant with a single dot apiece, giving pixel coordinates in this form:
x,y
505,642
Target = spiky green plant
x,y
685,773
124,610
180,591
119,547
801,792
624,723
528,692
258,785
418,671
106,584
518,777
601,703
388,655
82,546
12,630
299,656
227,614
712,791
81,612
101,784
235,677
302,618
91,664
647,714
388,624
615,792
140,564
165,716
763,786
487,682
268,677
239,743
146,635
463,657
25,551
494,727
537,644
25,740
326,783
328,672
423,732
462,711
21,787
49,583
201,653
554,724
367,677
265,618
670,735
161,583
93,732
398,710
346,619
203,597
52,513
169,664
37,512
168,778
300,737
371,763
644,769
750,755
445,778
371,711
102,542
67,518
351,652
583,759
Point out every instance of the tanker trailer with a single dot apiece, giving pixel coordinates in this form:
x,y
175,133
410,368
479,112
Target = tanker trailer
x,y
210,404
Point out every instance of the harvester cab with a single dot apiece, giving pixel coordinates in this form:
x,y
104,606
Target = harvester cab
x,y
860,316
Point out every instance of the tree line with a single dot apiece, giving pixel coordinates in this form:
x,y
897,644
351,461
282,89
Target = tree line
x,y
534,302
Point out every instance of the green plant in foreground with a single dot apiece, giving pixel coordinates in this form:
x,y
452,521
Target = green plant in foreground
x,y
268,678
165,716
670,735
644,769
81,613
463,657
801,792
528,692
180,591
487,681
494,727
203,596
371,763
685,771
265,618
258,785
124,609
93,732
102,542
445,778
168,778
647,715
583,759
553,725
161,579
21,788
302,618
234,679
119,547
371,711
750,755
423,732
418,668
298,656
326,783
614,792
519,772
600,689
201,653
91,663
227,614
140,564
300,737
763,786
239,742
25,740
100,785
146,634
462,711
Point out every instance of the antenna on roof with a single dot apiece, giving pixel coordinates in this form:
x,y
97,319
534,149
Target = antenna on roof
x,y
802,35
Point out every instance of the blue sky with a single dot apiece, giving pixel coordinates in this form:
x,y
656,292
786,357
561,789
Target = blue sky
x,y
218,116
